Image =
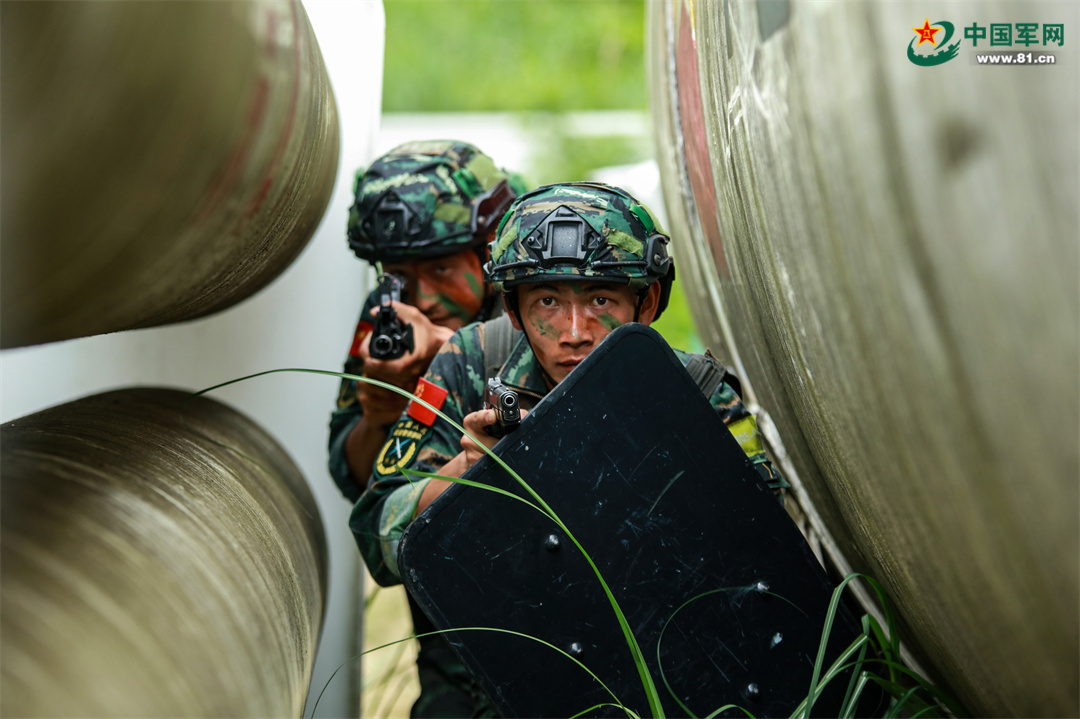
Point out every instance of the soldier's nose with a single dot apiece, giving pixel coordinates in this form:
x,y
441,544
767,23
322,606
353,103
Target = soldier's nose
x,y
578,328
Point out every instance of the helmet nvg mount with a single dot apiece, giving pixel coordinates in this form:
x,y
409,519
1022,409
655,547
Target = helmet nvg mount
x,y
426,199
580,231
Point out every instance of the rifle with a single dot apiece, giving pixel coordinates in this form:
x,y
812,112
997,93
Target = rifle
x,y
390,337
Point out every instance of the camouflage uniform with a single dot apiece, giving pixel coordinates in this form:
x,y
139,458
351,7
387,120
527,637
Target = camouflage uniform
x,y
432,185
420,200
558,233
384,512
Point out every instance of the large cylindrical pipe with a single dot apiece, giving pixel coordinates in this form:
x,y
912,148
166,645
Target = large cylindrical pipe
x,y
162,160
889,251
159,556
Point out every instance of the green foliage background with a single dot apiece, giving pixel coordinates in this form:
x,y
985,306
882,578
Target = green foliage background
x,y
539,59
504,55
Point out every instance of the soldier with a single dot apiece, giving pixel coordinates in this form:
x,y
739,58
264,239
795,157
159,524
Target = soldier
x,y
572,261
425,211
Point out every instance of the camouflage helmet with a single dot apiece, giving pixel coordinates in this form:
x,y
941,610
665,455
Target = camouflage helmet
x,y
426,199
578,231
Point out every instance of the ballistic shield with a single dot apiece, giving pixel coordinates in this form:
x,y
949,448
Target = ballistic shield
x,y
721,590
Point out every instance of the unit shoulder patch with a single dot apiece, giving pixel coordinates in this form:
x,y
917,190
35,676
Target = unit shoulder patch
x,y
400,448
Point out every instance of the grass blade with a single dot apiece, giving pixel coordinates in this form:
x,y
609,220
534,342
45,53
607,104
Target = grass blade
x,y
470,483
638,656
566,654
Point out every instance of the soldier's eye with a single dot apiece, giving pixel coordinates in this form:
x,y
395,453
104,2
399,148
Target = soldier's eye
x,y
403,271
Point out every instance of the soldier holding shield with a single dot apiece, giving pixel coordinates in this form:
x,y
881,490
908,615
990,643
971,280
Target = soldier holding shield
x,y
572,262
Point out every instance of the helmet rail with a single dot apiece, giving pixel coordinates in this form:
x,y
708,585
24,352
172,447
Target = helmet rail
x,y
580,231
427,199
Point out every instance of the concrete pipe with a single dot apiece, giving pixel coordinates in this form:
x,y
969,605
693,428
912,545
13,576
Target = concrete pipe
x,y
162,160
159,556
884,238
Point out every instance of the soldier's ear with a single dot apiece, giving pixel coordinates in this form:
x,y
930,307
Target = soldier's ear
x,y
650,304
510,311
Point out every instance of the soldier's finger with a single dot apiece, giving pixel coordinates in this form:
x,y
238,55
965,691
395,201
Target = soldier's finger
x,y
476,421
411,314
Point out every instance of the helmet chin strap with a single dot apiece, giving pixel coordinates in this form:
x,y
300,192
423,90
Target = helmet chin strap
x,y
641,295
487,307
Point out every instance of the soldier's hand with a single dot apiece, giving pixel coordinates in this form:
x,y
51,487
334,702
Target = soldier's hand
x,y
475,424
381,406
427,339
384,406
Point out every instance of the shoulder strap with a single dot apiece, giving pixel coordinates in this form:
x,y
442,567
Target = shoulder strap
x,y
498,342
708,373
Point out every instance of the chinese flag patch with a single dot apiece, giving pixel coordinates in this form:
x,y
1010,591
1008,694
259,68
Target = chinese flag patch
x,y
431,393
362,330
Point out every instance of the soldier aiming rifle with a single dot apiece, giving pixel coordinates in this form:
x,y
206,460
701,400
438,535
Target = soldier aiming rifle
x,y
424,211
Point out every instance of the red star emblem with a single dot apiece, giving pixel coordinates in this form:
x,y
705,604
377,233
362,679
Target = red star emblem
x,y
926,33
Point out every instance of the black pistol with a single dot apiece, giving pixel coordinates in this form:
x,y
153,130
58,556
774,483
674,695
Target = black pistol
x,y
504,401
390,337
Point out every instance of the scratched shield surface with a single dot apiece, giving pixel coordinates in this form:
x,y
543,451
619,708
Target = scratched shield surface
x,y
720,589
884,241
162,161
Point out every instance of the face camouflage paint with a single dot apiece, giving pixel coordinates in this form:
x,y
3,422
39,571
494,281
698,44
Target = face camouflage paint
x,y
446,289
566,320
608,321
542,327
